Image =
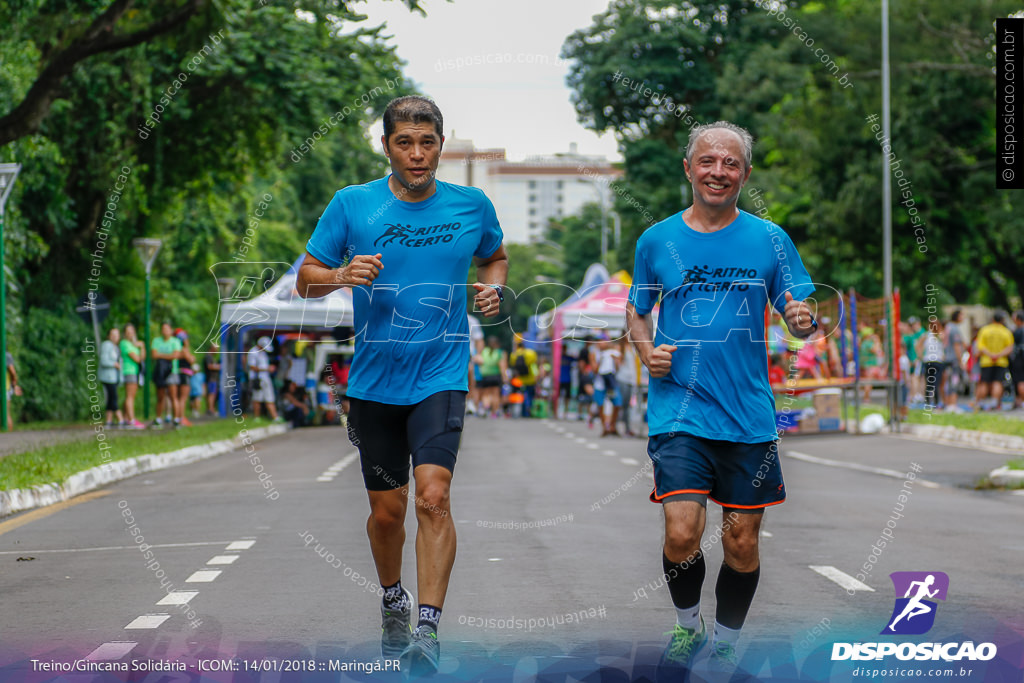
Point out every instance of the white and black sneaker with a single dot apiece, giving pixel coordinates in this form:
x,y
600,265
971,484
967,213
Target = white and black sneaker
x,y
423,655
396,627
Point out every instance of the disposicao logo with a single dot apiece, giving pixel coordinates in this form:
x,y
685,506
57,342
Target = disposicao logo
x,y
914,614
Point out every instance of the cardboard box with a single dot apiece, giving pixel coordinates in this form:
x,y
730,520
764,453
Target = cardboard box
x,y
828,424
827,404
809,424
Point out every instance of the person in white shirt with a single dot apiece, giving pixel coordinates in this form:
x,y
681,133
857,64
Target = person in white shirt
x,y
259,377
606,385
630,382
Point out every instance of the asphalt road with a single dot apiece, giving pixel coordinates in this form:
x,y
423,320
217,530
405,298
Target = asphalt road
x,y
558,570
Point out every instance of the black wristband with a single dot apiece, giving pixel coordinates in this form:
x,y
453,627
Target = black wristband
x,y
501,292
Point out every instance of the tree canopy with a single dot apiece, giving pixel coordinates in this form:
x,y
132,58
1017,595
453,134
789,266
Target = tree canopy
x,y
805,79
201,122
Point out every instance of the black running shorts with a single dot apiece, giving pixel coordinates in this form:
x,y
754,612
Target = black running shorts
x,y
389,437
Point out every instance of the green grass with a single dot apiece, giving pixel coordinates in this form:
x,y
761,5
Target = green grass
x,y
982,422
56,462
1016,464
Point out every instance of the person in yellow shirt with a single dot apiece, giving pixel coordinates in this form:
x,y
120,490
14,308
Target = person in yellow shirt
x,y
523,363
995,343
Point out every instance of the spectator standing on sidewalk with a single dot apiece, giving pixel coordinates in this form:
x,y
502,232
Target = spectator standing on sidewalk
x,y
211,368
110,375
1017,360
259,376
932,354
133,353
165,352
995,344
954,349
13,389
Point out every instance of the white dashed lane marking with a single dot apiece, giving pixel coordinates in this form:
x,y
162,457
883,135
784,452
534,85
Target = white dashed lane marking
x,y
178,598
203,576
844,580
240,545
148,621
110,651
331,472
118,649
629,461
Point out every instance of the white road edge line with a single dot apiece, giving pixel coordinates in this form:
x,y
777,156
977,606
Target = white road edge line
x,y
110,547
797,455
844,580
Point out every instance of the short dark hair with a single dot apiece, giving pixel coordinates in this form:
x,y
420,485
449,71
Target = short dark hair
x,y
998,317
1019,315
955,316
412,109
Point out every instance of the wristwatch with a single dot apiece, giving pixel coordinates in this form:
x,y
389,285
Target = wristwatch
x,y
501,292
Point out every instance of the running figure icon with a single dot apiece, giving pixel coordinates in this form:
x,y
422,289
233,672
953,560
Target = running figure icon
x,y
917,595
915,607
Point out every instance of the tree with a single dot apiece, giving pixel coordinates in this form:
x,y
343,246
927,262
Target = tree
x,y
804,78
174,120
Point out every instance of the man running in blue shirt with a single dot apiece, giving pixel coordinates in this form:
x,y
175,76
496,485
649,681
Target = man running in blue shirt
x,y
405,244
711,411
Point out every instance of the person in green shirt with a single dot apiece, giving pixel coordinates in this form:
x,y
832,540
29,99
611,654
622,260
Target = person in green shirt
x,y
910,343
493,369
166,350
133,352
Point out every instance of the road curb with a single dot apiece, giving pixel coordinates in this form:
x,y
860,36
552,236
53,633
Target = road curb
x,y
953,436
1004,476
19,500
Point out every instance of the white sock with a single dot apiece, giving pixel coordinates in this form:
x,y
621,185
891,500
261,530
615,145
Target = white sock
x,y
688,617
723,634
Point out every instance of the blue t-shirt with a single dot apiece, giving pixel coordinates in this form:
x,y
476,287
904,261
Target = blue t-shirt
x,y
713,289
412,337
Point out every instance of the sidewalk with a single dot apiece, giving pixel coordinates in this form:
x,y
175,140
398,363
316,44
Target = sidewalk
x,y
28,439
18,441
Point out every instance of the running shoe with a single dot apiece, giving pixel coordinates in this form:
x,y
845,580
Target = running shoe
x,y
423,655
396,628
722,661
683,645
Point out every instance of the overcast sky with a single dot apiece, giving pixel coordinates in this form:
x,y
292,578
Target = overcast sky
x,y
492,66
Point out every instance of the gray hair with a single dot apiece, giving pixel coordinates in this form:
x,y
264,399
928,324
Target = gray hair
x,y
746,139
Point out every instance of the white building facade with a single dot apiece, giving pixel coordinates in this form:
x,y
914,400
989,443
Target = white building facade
x,y
527,194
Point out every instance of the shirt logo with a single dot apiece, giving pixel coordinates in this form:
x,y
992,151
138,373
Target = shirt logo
x,y
914,613
408,236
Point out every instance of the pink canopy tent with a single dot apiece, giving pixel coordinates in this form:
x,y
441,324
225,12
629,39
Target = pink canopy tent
x,y
599,309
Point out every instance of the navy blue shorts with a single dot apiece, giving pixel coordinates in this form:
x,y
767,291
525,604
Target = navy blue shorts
x,y
389,436
745,476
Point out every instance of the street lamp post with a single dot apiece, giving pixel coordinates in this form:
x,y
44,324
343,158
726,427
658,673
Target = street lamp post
x,y
8,173
147,249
